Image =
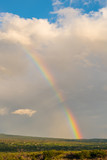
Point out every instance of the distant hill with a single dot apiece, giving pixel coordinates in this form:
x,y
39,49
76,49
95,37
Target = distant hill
x,y
14,143
20,137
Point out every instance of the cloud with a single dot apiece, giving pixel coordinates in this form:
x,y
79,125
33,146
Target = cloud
x,y
89,2
3,111
28,112
70,2
102,3
16,30
74,49
56,2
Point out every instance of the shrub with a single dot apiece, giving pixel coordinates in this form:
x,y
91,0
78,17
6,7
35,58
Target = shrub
x,y
50,154
98,154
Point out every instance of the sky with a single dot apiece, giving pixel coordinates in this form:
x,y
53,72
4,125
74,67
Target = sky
x,y
70,39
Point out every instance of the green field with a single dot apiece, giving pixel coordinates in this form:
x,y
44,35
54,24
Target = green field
x,y
36,148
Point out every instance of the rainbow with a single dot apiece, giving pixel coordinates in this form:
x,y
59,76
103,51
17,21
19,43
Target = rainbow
x,y
48,76
72,123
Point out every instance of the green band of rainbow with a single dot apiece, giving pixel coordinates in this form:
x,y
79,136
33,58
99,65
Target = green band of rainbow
x,y
46,74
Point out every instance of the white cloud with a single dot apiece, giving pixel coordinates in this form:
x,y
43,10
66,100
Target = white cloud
x,y
25,31
3,111
56,2
104,88
90,2
70,2
87,2
28,112
102,3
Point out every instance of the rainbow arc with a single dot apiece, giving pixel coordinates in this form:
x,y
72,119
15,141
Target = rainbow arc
x,y
49,78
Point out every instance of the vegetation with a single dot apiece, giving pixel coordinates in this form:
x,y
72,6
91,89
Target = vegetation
x,y
54,155
10,143
31,148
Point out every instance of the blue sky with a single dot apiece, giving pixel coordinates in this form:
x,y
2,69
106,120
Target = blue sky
x,y
42,8
26,8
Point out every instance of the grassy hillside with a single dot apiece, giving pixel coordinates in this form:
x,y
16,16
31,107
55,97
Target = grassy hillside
x,y
13,147
55,155
14,143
